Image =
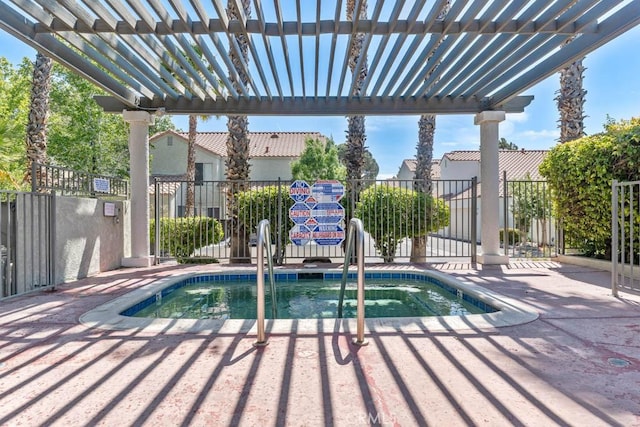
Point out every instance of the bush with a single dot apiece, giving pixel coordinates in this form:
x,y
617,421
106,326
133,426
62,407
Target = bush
x,y
514,236
390,214
182,236
580,174
262,203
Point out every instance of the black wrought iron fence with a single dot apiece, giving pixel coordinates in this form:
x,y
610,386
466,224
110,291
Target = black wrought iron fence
x,y
529,229
68,182
401,224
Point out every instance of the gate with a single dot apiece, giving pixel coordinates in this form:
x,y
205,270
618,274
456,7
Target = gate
x,y
625,239
528,228
26,242
397,216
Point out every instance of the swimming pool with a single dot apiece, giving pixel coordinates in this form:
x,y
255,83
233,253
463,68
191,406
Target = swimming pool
x,y
300,297
507,312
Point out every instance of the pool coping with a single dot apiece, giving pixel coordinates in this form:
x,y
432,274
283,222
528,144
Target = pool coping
x,y
510,313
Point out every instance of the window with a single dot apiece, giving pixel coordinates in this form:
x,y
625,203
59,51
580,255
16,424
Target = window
x,y
199,173
169,141
213,213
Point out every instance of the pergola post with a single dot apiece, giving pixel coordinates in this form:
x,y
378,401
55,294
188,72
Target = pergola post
x,y
139,122
489,187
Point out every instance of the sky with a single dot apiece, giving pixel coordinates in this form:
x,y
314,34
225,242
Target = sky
x,y
611,79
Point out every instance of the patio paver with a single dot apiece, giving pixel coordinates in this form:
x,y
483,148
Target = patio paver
x,y
568,367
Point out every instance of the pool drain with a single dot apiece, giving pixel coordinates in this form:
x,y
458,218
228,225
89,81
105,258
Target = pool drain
x,y
619,363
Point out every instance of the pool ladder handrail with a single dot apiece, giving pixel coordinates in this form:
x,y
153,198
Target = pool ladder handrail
x,y
264,241
356,232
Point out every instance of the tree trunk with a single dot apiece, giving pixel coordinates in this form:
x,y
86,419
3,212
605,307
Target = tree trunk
x,y
237,163
356,136
424,156
38,114
422,182
571,98
191,165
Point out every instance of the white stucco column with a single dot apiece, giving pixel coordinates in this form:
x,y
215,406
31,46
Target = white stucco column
x,y
489,187
139,122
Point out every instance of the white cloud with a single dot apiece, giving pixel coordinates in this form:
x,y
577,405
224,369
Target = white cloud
x,y
385,176
544,133
517,117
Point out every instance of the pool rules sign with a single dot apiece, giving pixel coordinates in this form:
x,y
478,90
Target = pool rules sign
x,y
317,214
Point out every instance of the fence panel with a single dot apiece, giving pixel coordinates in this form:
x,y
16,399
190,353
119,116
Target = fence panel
x,y
26,242
625,240
529,229
256,200
68,182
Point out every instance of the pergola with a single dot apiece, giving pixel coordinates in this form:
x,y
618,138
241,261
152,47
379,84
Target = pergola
x,y
175,57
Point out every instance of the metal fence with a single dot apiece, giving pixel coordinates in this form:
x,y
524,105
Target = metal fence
x,y
528,228
625,238
68,182
26,242
399,216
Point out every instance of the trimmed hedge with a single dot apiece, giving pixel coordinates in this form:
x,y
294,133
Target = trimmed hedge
x,y
389,214
580,173
182,236
262,203
514,236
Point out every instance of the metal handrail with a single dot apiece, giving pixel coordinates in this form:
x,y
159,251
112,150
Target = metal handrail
x,y
356,230
264,241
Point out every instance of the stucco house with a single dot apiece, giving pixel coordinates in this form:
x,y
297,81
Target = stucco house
x,y
407,170
271,155
456,169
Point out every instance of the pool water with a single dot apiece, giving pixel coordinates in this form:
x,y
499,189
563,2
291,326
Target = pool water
x,y
307,299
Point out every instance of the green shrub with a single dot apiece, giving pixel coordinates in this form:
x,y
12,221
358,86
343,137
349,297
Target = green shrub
x,y
262,203
390,214
580,174
514,236
182,236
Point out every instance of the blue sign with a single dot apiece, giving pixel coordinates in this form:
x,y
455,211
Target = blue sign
x,y
101,185
299,213
311,202
328,235
327,190
300,234
299,191
328,213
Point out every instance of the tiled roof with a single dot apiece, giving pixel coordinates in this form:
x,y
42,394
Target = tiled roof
x,y
411,164
168,184
435,167
165,187
517,163
261,144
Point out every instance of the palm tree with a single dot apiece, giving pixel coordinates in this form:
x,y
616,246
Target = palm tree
x,y
237,163
424,157
191,162
38,113
356,136
570,98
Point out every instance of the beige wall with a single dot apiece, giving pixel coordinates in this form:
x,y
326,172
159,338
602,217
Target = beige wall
x,y
459,169
271,168
87,242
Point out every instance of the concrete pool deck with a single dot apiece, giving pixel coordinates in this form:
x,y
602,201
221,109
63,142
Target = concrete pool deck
x,y
578,363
